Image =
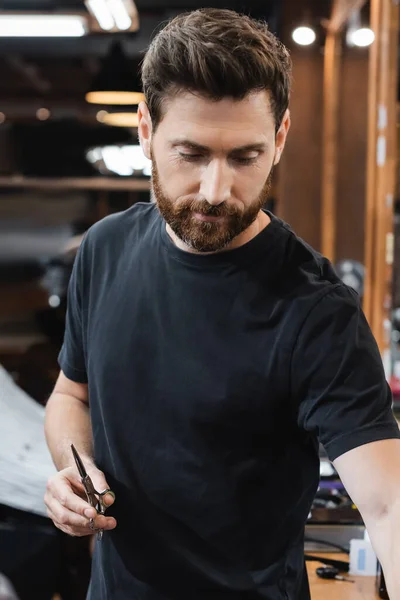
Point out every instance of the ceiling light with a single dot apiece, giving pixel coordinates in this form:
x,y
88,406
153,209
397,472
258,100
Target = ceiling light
x,y
114,97
114,14
117,82
54,301
362,37
304,36
100,115
42,114
120,14
101,12
112,156
42,25
124,160
358,33
122,119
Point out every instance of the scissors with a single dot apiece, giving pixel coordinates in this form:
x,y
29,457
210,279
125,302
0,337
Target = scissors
x,y
94,497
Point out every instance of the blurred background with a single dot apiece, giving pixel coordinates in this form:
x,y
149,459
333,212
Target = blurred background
x,y
69,155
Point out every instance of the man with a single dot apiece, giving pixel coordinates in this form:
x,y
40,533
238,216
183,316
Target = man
x,y
208,350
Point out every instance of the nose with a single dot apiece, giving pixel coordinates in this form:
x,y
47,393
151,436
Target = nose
x,y
216,182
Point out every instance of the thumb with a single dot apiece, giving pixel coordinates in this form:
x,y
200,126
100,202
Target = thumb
x,y
100,484
109,498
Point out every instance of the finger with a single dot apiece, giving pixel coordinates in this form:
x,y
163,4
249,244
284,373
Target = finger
x,y
61,492
99,481
75,525
62,514
109,499
75,531
72,478
103,522
66,517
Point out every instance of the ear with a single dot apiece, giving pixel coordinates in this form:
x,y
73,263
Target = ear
x,y
145,129
281,137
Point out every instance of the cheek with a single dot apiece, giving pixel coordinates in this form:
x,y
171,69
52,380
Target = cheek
x,y
249,183
176,179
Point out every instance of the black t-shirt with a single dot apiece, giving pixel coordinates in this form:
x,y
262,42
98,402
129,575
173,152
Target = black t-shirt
x,y
211,381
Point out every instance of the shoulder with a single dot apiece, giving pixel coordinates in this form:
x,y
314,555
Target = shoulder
x,y
309,285
307,274
115,231
136,218
110,243
305,263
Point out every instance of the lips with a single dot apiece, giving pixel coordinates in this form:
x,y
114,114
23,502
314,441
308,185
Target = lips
x,y
208,218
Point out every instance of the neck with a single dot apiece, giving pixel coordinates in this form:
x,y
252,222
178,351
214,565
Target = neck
x,y
261,221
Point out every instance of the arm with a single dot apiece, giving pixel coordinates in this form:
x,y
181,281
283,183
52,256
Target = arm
x,y
67,421
371,475
345,402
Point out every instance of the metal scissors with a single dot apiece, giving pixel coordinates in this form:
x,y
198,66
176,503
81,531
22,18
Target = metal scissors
x,y
94,497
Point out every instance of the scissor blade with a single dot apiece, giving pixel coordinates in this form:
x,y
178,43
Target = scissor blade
x,y
79,463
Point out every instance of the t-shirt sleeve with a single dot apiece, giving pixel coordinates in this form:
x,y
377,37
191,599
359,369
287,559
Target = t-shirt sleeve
x,y
72,354
338,378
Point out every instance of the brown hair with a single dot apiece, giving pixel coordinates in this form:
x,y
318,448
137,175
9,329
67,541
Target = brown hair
x,y
217,54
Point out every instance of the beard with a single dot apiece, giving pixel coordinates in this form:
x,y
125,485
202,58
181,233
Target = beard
x,y
206,236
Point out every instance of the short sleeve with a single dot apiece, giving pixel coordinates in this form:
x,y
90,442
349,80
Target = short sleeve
x,y
338,378
72,354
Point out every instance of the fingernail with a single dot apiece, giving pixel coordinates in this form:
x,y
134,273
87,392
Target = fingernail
x,y
111,525
89,512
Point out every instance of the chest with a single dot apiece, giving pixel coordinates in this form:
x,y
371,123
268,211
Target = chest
x,y
198,352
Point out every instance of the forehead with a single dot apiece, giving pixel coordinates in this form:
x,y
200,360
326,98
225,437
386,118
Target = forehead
x,y
229,121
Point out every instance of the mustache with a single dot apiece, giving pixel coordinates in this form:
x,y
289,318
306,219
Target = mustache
x,y
204,208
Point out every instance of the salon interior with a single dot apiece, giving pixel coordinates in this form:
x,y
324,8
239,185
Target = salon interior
x,y
70,156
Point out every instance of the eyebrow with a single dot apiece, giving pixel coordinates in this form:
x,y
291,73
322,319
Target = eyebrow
x,y
200,148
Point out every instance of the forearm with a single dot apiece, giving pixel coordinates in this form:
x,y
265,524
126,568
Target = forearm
x,y
67,422
385,537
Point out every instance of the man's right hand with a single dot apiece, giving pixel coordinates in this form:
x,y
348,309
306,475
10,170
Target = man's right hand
x,y
67,504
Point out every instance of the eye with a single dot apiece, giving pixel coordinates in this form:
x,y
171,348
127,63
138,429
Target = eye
x,y
248,159
242,160
190,157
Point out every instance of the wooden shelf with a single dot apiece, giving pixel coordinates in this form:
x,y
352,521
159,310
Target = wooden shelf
x,y
128,184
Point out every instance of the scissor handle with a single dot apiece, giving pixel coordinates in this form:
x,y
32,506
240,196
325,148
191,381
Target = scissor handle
x,y
94,497
90,492
102,506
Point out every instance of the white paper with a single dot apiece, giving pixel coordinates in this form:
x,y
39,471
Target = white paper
x,y
25,460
